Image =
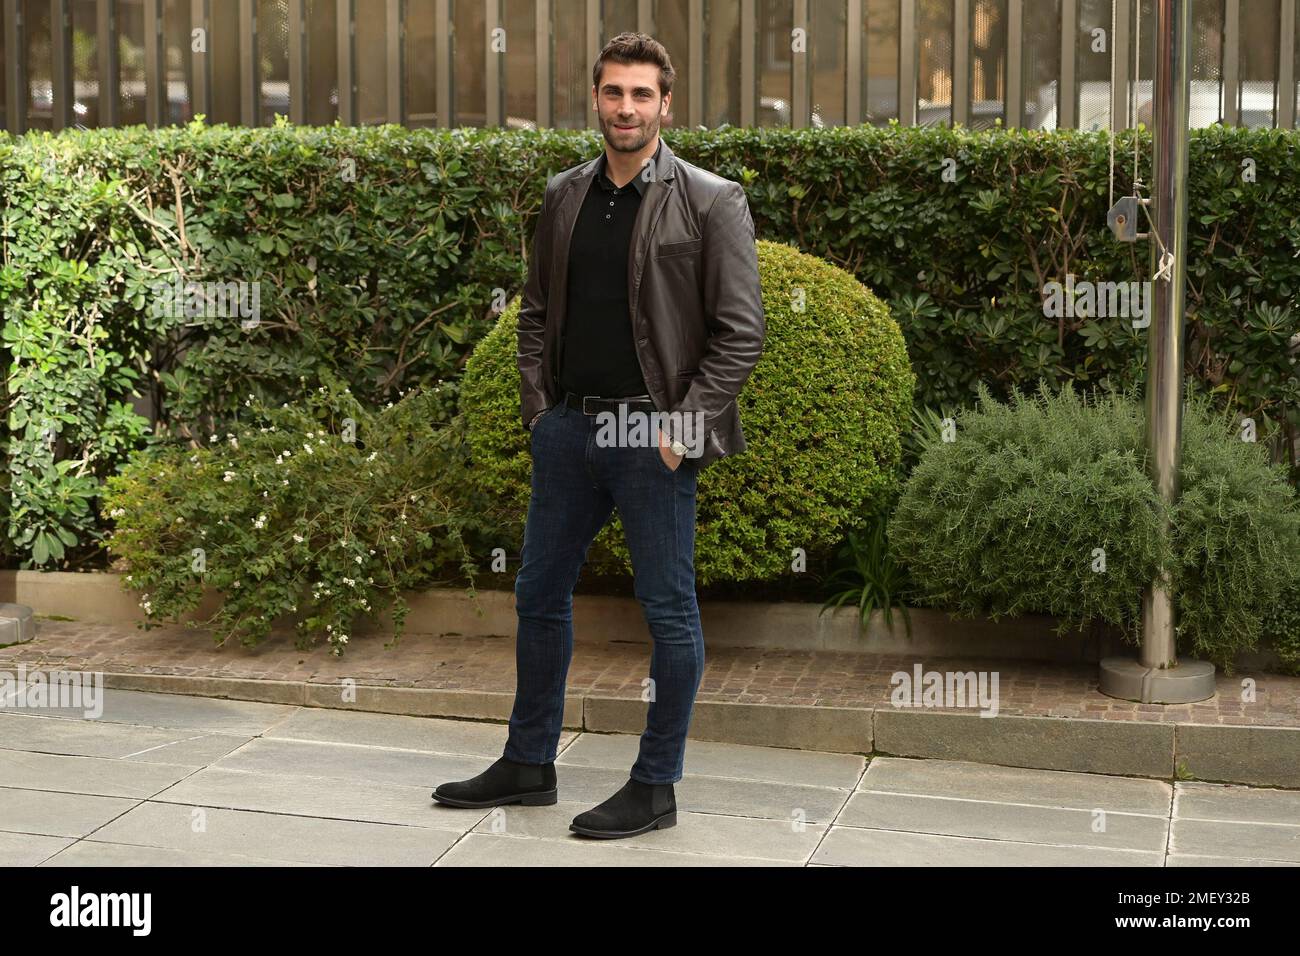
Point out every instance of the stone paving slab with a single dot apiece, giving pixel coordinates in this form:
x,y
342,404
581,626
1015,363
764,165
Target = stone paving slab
x,y
292,839
27,849
995,820
852,846
479,849
1043,788
712,834
338,788
98,853
50,813
91,775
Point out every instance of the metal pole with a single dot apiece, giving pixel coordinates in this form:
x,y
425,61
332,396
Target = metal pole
x,y
1165,336
1157,677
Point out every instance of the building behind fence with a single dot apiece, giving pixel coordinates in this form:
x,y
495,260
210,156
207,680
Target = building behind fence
x,y
521,64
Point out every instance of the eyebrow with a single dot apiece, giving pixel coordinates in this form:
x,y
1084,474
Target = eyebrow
x,y
615,88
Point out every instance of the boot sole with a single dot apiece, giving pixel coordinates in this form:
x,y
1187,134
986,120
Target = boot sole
x,y
662,823
542,798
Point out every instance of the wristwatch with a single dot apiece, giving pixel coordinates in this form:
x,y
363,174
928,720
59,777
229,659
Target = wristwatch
x,y
677,447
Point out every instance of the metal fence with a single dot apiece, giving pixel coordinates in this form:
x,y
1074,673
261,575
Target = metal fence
x,y
527,63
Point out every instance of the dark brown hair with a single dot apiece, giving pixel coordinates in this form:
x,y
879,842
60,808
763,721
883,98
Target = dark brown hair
x,y
636,48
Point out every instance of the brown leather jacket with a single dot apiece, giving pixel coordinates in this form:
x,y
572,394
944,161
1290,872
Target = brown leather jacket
x,y
693,294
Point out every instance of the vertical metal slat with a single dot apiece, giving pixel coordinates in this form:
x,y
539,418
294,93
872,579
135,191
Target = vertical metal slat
x,y
593,51
961,49
61,65
695,33
345,28
16,81
297,62
155,74
1121,52
1232,62
396,65
493,64
545,82
106,61
1067,96
249,99
1286,68
442,61
748,67
800,105
201,63
853,64
1015,98
907,63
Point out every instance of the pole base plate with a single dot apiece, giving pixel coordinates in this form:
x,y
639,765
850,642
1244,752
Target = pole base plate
x,y
1186,683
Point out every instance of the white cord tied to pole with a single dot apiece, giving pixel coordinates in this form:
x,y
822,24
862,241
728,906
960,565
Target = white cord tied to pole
x,y
1166,266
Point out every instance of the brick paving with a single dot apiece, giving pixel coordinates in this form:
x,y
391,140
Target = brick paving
x,y
742,675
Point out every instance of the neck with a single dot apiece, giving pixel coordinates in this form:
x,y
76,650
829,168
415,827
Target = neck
x,y
621,167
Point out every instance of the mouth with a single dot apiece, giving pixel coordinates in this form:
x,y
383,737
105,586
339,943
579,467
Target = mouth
x,y
621,126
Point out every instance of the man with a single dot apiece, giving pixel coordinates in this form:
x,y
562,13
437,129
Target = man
x,y
641,319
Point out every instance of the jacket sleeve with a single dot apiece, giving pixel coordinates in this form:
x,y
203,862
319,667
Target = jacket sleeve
x,y
533,393
733,308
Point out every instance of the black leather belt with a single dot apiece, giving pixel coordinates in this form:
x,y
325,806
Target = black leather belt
x,y
594,404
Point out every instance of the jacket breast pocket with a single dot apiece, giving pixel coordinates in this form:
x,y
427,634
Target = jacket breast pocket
x,y
685,247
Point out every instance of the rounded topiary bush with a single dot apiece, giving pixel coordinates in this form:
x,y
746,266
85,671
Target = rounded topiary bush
x,y
1043,505
823,413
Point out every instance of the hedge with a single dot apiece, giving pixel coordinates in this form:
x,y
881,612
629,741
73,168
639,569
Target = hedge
x,y
823,414
384,254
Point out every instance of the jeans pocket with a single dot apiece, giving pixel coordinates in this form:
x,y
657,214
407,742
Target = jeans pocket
x,y
663,465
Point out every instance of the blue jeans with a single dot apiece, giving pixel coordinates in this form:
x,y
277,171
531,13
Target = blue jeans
x,y
576,483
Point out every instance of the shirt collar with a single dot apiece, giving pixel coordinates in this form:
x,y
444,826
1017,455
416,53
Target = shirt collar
x,y
638,180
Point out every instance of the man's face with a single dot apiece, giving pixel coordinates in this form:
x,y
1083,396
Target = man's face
x,y
629,106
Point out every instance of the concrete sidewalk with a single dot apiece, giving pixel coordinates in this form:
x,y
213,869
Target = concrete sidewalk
x,y
164,779
1049,715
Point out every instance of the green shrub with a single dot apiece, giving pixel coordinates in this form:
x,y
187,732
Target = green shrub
x,y
1282,623
298,512
822,413
1009,519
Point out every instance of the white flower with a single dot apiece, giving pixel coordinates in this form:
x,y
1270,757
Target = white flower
x,y
343,638
358,559
308,447
284,481
229,476
212,439
179,520
236,584
259,521
299,538
373,456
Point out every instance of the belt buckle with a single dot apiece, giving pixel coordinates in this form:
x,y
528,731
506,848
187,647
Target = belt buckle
x,y
584,404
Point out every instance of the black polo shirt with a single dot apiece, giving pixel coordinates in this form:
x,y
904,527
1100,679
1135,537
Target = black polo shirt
x,y
598,355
